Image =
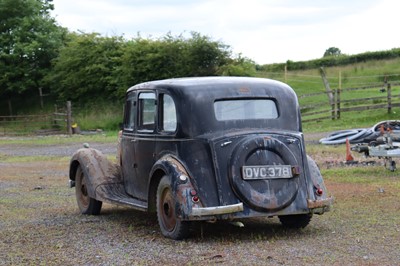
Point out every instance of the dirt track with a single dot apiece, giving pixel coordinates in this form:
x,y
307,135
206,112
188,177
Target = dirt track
x,y
40,224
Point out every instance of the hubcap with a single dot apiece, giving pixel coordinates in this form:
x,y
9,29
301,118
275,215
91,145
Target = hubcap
x,y
168,210
83,197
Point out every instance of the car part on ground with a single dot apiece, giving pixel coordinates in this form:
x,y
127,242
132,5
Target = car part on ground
x,y
386,147
362,135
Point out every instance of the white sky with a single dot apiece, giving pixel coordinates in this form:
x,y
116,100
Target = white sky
x,y
269,31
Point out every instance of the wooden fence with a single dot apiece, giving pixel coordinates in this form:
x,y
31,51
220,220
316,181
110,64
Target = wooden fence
x,y
334,109
58,122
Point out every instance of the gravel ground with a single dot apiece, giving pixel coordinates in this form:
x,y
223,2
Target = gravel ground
x,y
40,225
54,150
70,148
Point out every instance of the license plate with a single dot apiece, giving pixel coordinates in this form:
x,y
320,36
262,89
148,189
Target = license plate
x,y
266,172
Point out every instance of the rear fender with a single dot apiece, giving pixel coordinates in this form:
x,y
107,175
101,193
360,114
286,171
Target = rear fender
x,y
95,166
319,203
316,177
182,184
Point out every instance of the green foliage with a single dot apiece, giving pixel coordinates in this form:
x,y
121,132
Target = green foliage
x,y
331,61
332,51
91,67
240,66
204,56
88,117
87,68
29,40
171,57
145,59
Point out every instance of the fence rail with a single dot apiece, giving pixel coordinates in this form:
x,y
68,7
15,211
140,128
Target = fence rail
x,y
335,109
54,123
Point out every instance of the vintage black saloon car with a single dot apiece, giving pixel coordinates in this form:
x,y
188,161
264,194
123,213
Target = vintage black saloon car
x,y
206,149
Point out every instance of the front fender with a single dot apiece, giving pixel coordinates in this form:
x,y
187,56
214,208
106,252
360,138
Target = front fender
x,y
96,168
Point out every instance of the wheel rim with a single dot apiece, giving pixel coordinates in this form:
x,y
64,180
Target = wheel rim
x,y
168,210
82,191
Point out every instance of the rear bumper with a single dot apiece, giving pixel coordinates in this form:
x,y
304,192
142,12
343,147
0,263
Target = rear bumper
x,y
209,211
320,206
200,213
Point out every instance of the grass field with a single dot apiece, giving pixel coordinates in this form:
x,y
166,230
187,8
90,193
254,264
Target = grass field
x,y
352,76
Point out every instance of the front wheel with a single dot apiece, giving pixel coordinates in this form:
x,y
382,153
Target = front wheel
x,y
296,221
86,204
170,225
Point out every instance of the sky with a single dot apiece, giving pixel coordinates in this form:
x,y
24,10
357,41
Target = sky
x,y
265,31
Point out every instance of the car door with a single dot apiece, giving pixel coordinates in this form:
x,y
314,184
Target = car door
x,y
138,142
128,158
144,142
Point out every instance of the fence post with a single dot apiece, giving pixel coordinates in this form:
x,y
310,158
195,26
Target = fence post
x,y
10,110
338,95
338,104
333,105
285,73
389,98
41,97
326,84
69,118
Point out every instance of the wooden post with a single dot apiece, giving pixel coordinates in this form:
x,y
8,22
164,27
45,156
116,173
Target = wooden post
x,y
69,118
41,97
338,95
10,107
54,115
389,98
338,103
285,73
327,87
333,106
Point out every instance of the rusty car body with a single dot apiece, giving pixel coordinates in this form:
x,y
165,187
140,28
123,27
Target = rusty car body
x,y
206,149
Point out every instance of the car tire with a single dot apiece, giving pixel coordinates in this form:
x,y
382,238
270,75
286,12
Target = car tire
x,y
86,204
170,225
296,221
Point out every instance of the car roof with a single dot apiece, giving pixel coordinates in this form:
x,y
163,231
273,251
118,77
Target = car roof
x,y
204,83
195,99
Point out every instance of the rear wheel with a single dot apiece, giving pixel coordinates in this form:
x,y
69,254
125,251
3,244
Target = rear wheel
x,y
86,204
170,225
296,221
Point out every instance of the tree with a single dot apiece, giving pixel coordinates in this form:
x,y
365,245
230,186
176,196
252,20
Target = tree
x,y
332,51
204,56
171,57
147,59
87,68
240,66
91,67
29,40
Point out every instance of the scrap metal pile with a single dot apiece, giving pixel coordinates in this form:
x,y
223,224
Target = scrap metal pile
x,y
382,141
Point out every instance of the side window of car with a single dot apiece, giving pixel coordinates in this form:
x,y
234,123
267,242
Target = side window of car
x,y
147,111
130,113
168,114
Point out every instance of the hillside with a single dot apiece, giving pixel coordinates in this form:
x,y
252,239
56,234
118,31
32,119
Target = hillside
x,y
372,73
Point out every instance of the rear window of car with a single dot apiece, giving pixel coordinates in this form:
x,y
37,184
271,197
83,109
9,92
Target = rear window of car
x,y
239,109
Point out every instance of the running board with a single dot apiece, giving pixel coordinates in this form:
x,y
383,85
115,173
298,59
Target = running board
x,y
115,193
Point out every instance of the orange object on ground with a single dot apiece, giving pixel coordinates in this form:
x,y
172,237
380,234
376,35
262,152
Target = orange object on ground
x,y
349,157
